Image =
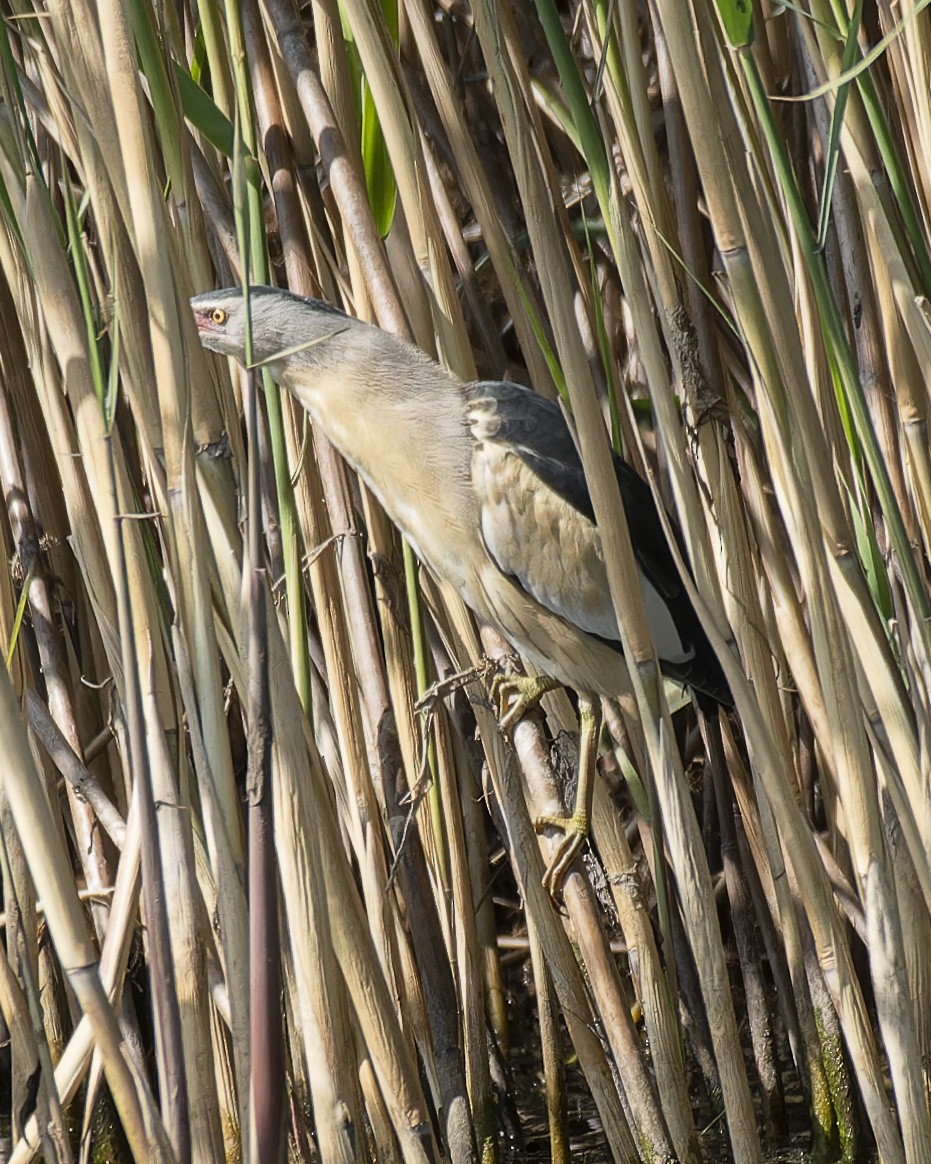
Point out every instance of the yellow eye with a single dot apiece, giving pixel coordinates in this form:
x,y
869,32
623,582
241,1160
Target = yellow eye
x,y
218,315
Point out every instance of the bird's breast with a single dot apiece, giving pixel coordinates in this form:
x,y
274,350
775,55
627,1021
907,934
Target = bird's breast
x,y
408,441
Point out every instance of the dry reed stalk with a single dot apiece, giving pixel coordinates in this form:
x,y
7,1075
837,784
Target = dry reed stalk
x,y
778,402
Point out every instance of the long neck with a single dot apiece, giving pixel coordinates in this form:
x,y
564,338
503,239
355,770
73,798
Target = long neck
x,y
399,419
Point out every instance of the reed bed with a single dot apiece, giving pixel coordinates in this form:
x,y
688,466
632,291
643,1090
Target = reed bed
x,y
270,875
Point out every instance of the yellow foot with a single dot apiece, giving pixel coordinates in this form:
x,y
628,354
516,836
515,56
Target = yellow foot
x,y
575,830
514,695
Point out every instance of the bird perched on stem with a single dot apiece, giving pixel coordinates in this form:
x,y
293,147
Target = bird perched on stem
x,y
485,482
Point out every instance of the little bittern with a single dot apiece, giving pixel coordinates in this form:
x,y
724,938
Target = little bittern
x,y
485,482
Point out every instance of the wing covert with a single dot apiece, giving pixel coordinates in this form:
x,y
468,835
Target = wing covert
x,y
538,524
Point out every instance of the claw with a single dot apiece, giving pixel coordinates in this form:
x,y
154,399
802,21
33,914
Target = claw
x,y
575,828
575,834
515,695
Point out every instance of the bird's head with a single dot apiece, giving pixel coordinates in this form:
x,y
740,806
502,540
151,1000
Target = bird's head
x,y
283,325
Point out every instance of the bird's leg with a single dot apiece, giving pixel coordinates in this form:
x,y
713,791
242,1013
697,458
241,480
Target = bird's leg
x,y
575,828
515,695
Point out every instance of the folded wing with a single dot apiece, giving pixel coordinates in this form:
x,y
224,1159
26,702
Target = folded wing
x,y
538,525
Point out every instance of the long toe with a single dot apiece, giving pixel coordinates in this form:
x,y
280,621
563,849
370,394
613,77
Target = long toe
x,y
575,831
514,695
